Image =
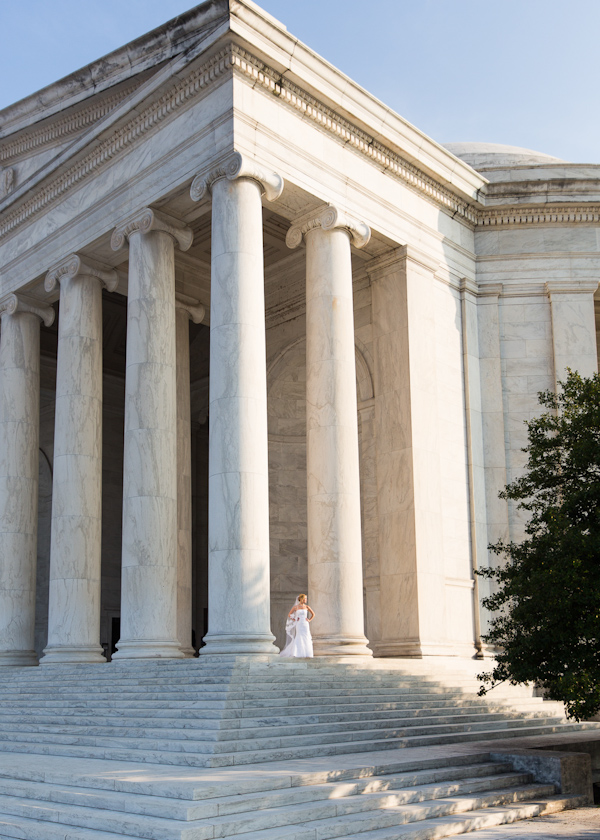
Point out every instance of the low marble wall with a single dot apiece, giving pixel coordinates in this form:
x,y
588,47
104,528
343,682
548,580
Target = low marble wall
x,y
571,772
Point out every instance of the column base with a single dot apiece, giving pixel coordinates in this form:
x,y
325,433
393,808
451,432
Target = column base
x,y
67,654
188,652
415,649
147,649
18,657
341,646
238,645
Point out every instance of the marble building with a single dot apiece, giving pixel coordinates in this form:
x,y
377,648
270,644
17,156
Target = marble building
x,y
260,335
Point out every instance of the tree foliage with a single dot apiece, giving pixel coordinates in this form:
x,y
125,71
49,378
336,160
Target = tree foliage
x,y
547,603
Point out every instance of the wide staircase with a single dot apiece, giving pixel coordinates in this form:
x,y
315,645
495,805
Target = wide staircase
x,y
256,722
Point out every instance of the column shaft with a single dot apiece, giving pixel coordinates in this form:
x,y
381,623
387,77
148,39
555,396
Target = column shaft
x,y
334,537
75,548
149,556
184,485
19,447
239,585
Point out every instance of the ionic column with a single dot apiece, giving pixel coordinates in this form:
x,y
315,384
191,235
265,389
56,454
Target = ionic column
x,y
185,309
76,538
238,526
19,447
149,555
573,327
335,576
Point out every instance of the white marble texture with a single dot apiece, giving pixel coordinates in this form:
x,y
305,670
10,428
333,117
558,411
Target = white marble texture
x,y
475,457
412,560
573,328
333,485
184,479
19,442
238,528
75,550
149,552
338,144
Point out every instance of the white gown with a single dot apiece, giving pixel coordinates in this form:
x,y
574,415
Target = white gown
x,y
299,640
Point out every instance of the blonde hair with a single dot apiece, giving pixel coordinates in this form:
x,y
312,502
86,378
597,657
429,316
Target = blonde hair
x,y
300,597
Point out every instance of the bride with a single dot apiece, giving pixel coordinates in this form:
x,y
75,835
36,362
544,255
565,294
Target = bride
x,y
299,640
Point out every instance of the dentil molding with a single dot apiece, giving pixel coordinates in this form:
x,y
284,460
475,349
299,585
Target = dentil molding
x,y
234,58
59,130
548,215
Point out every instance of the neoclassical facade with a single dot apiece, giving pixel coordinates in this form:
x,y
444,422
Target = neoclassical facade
x,y
259,336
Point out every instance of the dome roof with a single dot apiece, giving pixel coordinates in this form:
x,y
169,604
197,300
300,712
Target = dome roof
x,y
482,156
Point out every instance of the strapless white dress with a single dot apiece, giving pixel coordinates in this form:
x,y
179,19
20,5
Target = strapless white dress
x,y
299,641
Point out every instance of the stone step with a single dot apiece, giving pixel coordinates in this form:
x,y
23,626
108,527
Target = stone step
x,y
79,774
370,810
204,757
265,737
148,701
210,718
251,680
39,677
50,801
227,740
199,711
209,691
252,728
413,787
447,826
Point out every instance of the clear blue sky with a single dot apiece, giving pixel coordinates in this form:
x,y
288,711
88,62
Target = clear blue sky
x,y
522,72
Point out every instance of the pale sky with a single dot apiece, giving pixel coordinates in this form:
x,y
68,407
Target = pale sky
x,y
521,72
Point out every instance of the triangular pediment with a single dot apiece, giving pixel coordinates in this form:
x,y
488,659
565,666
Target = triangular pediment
x,y
39,130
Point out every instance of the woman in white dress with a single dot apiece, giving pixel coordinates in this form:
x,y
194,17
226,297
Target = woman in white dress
x,y
299,641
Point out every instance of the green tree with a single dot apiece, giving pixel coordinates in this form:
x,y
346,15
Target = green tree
x,y
547,600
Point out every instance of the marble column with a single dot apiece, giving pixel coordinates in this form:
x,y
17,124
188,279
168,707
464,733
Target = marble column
x,y
493,426
475,451
573,327
149,555
76,538
335,574
19,448
238,528
185,309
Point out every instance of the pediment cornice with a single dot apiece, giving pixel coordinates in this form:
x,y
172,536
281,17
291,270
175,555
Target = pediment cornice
x,y
194,79
57,131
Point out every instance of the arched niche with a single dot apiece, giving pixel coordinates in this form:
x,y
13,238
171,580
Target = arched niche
x,y
286,405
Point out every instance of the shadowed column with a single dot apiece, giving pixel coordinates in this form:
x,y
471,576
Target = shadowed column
x,y
149,555
185,309
76,538
19,448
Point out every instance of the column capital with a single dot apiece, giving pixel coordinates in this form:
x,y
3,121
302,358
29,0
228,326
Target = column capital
x,y
490,290
22,303
146,220
72,266
329,217
196,311
237,165
469,286
557,287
